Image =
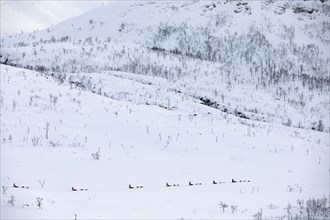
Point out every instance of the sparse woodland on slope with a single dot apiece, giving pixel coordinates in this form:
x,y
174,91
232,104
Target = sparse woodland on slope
x,y
234,54
131,99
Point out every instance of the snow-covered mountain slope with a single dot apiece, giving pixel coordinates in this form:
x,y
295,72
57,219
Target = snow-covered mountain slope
x,y
149,146
136,21
173,92
235,54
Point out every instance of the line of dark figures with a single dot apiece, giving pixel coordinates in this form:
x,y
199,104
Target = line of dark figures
x,y
192,184
140,187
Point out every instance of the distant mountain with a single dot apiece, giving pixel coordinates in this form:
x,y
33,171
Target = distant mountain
x,y
27,16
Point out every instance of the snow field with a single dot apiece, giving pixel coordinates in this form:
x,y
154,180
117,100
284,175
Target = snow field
x,y
149,146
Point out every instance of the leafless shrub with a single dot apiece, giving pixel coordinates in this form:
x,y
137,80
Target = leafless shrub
x,y
288,210
42,183
35,141
233,208
4,190
39,202
54,144
258,215
317,209
12,200
96,155
223,205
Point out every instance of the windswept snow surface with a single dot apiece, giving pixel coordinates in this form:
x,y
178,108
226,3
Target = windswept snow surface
x,y
168,92
148,146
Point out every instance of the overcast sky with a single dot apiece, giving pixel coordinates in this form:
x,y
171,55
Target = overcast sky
x,y
27,16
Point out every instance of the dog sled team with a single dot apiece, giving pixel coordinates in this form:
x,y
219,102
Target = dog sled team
x,y
140,187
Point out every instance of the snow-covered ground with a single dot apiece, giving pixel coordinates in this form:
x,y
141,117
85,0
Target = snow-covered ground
x,y
277,63
148,146
149,93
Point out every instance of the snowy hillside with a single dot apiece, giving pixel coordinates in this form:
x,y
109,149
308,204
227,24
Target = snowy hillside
x,y
274,51
148,146
164,94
